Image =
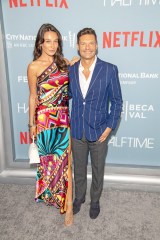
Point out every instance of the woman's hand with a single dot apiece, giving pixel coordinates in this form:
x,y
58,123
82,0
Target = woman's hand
x,y
33,131
74,60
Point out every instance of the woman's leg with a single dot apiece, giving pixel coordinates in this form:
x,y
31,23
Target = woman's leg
x,y
69,199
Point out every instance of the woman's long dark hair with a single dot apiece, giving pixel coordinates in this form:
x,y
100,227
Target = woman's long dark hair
x,y
58,56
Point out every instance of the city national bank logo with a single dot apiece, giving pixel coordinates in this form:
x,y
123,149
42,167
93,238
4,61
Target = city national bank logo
x,y
20,40
131,39
131,78
27,41
136,111
142,75
38,3
130,3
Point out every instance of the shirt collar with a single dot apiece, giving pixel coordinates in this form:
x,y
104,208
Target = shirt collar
x,y
81,68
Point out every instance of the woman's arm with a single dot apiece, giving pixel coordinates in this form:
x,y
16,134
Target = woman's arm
x,y
32,82
72,61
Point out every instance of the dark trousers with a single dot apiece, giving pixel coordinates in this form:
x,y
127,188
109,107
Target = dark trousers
x,y
80,151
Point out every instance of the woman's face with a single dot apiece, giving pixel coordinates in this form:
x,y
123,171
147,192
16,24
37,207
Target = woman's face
x,y
50,44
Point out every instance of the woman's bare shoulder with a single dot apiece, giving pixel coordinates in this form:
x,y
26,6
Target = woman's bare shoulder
x,y
34,67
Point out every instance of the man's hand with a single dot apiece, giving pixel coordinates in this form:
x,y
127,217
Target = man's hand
x,y
104,135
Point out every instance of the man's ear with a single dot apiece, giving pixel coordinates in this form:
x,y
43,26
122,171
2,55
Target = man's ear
x,y
77,46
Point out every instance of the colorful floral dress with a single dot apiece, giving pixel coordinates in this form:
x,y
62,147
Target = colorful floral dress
x,y
53,137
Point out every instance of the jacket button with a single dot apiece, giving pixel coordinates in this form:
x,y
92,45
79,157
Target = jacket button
x,y
84,103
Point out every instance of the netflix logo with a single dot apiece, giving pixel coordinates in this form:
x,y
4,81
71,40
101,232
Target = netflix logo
x,y
38,3
24,138
131,39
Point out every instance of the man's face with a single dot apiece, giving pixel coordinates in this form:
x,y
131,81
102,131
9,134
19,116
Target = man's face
x,y
87,46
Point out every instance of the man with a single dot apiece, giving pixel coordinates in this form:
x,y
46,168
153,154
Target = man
x,y
93,84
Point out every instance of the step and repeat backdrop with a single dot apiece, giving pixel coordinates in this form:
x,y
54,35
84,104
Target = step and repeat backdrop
x,y
128,36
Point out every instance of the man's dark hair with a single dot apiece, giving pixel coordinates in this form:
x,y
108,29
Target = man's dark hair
x,y
85,31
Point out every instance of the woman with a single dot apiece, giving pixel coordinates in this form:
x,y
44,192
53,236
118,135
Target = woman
x,y
49,121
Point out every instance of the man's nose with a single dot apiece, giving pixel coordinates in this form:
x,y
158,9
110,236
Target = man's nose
x,y
87,46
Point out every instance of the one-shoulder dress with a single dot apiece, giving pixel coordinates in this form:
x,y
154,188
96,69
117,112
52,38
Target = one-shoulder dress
x,y
53,137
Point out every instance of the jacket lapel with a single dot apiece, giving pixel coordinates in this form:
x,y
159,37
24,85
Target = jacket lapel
x,y
97,70
76,77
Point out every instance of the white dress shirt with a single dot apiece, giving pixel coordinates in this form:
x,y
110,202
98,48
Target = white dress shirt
x,y
84,83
